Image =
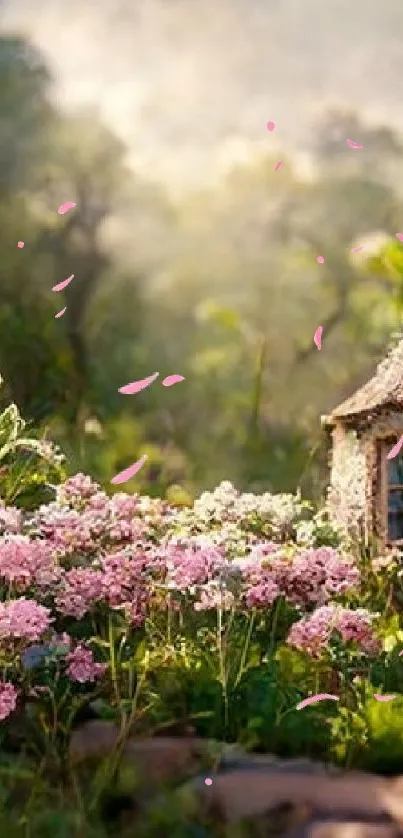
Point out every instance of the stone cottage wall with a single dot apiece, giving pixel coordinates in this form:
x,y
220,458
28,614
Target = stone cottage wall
x,y
357,496
347,499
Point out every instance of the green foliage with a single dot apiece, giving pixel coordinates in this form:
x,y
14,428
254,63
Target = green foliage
x,y
237,323
28,466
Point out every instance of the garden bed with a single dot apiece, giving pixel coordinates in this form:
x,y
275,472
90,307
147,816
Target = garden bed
x,y
216,621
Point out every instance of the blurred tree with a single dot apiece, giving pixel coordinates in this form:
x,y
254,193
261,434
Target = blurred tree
x,y
85,166
387,265
380,143
24,112
221,286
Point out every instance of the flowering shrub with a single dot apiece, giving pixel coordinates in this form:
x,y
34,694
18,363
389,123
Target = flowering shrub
x,y
8,699
221,616
129,603
312,634
81,666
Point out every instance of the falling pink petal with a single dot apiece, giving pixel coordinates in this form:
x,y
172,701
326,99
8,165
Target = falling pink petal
x,y
208,781
357,249
61,312
20,244
400,653
63,284
125,475
320,259
384,697
314,698
66,207
136,386
395,450
317,338
399,236
278,165
271,125
172,379
352,144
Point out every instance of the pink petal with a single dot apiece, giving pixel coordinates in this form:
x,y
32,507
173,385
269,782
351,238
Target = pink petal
x,y
271,125
129,472
384,697
400,653
63,284
172,379
317,338
208,781
136,386
399,236
61,312
395,450
20,244
352,144
320,259
278,165
357,249
66,207
315,698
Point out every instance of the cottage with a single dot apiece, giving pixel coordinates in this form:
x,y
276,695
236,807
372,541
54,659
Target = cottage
x,y
366,489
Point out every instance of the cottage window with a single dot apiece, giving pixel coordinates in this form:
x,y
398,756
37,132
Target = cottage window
x,y
377,406
395,496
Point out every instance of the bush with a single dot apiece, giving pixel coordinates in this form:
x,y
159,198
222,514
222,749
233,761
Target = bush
x,y
222,617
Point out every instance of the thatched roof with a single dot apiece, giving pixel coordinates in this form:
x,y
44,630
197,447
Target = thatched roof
x,y
385,387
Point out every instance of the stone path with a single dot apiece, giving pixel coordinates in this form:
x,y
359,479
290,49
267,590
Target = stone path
x,y
296,798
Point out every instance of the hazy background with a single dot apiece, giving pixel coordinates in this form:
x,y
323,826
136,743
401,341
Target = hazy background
x,y
190,253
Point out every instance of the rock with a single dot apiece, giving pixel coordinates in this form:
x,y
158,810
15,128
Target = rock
x,y
393,799
244,793
351,829
295,798
93,739
266,762
157,760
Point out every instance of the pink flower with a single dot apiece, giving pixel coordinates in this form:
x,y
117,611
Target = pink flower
x,y
313,633
261,580
214,596
99,523
317,574
189,564
8,699
126,583
136,608
263,549
123,524
304,578
356,626
81,666
76,490
66,531
262,594
80,589
23,618
10,519
24,562
122,576
124,506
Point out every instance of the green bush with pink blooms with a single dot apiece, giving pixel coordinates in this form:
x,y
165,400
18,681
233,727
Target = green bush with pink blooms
x,y
221,617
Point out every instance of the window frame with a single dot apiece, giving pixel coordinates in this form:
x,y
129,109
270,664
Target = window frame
x,y
384,444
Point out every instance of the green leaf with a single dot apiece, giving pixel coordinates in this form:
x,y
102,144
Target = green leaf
x,y
11,425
